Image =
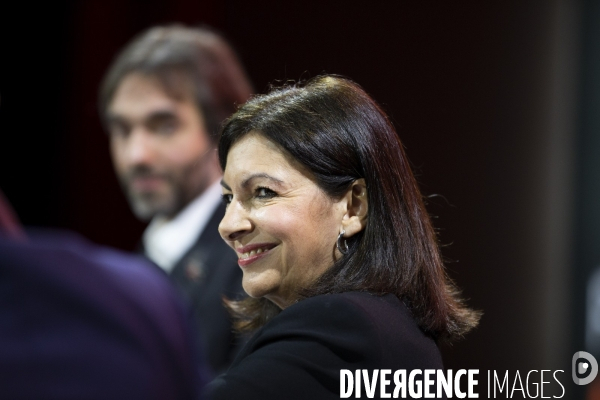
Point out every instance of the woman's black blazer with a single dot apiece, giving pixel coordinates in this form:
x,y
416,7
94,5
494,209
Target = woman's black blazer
x,y
300,352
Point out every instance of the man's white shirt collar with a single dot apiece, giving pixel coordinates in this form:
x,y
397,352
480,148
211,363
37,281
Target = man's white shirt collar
x,y
166,241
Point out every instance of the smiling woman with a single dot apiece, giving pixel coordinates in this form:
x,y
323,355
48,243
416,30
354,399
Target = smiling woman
x,y
279,221
338,254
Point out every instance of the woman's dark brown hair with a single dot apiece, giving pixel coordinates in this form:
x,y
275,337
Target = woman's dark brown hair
x,y
340,134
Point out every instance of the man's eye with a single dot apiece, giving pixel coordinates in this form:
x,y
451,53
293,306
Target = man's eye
x,y
265,193
118,131
163,126
166,127
227,198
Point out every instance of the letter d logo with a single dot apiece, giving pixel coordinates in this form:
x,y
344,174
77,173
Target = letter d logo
x,y
590,364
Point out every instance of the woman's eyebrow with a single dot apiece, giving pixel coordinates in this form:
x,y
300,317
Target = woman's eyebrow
x,y
246,181
226,186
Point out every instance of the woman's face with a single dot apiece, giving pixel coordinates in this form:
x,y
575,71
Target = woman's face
x,y
282,226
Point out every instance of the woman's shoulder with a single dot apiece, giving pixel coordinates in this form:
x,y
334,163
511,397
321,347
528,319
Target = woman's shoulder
x,y
378,327
327,317
300,352
362,302
385,312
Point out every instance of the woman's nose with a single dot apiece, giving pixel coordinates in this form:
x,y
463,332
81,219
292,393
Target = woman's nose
x,y
236,223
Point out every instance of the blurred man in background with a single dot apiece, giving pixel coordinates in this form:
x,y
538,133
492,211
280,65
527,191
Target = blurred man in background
x,y
163,100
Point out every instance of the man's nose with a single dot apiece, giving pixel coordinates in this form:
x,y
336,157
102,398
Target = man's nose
x,y
141,149
236,223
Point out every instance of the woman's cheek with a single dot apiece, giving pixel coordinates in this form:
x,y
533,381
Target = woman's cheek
x,y
277,222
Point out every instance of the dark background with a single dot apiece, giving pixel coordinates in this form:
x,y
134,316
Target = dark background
x,y
496,103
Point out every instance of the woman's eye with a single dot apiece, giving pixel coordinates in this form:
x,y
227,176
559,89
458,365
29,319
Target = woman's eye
x,y
227,198
265,193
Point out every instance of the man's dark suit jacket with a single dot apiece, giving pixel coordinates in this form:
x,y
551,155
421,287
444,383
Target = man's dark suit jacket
x,y
78,321
206,273
300,352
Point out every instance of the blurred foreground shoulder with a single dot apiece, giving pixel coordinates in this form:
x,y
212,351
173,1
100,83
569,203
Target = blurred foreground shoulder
x,y
86,321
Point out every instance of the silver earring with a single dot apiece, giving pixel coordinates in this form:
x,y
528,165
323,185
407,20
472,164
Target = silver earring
x,y
341,243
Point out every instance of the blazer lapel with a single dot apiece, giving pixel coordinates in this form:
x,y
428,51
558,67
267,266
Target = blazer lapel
x,y
197,265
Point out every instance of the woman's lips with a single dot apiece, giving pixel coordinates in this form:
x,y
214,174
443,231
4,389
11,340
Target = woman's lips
x,y
253,252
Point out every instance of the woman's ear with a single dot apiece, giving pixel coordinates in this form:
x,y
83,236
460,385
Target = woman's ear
x,y
356,199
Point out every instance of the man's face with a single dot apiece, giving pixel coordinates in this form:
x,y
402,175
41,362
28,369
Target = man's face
x,y
159,145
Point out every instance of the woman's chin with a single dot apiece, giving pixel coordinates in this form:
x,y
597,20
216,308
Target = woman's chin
x,y
256,287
